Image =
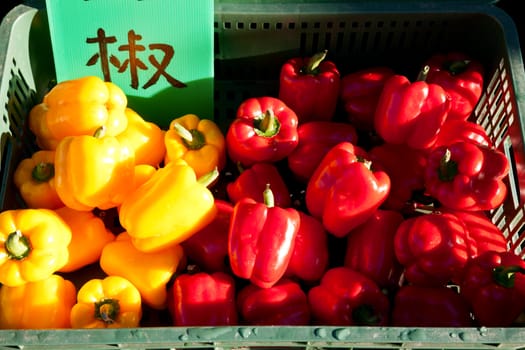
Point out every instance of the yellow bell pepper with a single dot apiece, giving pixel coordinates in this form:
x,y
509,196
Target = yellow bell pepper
x,y
149,272
200,142
111,302
79,107
93,171
168,208
89,236
34,178
145,138
43,304
33,245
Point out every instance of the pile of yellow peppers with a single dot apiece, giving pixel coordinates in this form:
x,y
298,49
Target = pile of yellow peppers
x,y
95,153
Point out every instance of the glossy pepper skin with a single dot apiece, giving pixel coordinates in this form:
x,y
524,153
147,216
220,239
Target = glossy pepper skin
x,y
109,302
252,182
493,284
208,248
283,304
315,140
467,176
200,142
261,240
433,248
78,107
310,257
405,167
149,272
410,112
346,297
345,189
43,304
144,138
203,299
310,86
93,171
360,92
34,178
33,245
456,130
420,306
482,230
462,78
168,208
370,249
264,130
89,235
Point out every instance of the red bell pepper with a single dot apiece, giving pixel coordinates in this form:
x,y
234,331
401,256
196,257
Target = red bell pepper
x,y
433,248
252,182
345,189
283,304
494,285
264,130
482,230
411,112
310,255
203,299
467,176
310,86
461,77
455,130
261,240
208,248
370,249
419,306
405,167
360,92
315,140
346,297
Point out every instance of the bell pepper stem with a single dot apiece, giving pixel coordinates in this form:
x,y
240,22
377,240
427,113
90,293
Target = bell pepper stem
x,y
268,125
505,275
365,315
17,245
313,62
268,196
457,66
423,73
107,310
184,133
209,178
100,132
448,168
43,172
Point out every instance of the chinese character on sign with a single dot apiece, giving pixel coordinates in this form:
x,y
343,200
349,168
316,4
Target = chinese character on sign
x,y
132,63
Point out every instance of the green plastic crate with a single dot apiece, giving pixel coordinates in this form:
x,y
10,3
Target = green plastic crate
x,y
252,39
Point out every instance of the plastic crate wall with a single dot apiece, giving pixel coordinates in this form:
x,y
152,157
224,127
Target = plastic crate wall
x,y
251,42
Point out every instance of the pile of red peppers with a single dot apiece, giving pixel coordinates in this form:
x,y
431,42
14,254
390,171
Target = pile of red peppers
x,y
357,199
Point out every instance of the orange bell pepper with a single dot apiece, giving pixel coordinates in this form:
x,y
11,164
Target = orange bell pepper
x,y
111,302
79,107
145,138
34,178
42,304
149,272
167,209
33,245
200,142
89,236
93,171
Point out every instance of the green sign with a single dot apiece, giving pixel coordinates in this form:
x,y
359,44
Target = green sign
x,y
160,52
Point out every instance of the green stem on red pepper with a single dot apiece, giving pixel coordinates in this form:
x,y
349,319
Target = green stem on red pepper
x,y
312,67
268,125
448,168
505,275
423,73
